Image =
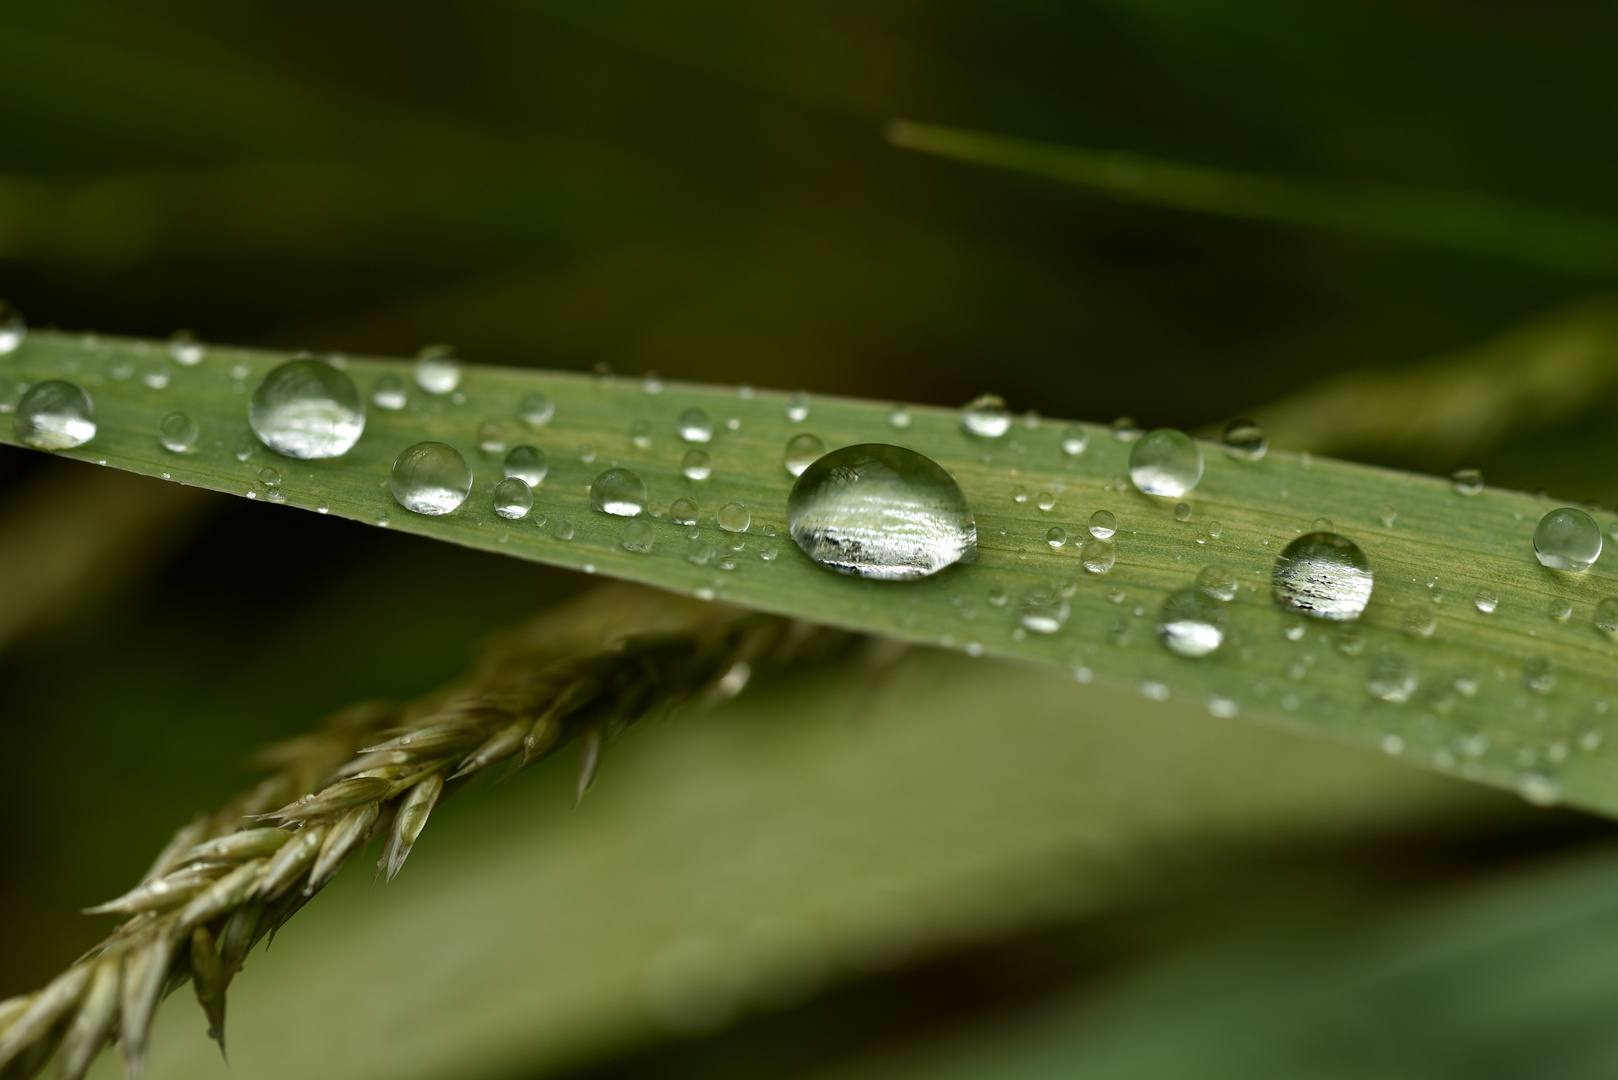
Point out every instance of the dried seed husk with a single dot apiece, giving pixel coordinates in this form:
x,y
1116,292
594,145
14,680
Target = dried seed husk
x,y
222,896
185,837
44,1009
208,979
93,1024
288,864
407,824
244,844
347,834
146,972
336,799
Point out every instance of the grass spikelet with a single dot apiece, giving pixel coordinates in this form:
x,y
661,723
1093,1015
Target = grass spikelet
x,y
93,1024
408,823
208,979
44,1010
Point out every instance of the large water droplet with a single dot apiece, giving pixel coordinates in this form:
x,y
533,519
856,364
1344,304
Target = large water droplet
x,y
1103,523
12,330
1165,462
177,432
55,415
1567,539
638,536
436,370
388,392
1043,609
734,517
1245,440
513,498
1467,481
1098,556
881,511
307,409
801,452
696,465
619,492
1191,623
431,478
987,416
535,410
1324,576
1391,679
185,348
527,463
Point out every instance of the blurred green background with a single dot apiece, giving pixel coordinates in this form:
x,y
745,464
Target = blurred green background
x,y
704,190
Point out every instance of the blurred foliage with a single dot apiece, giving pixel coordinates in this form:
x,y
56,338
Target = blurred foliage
x,y
705,190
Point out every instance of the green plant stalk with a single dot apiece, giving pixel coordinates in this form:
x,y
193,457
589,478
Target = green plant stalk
x,y
1474,712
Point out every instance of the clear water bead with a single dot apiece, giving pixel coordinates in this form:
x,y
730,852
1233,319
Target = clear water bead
x,y
694,426
1124,429
696,465
562,530
986,416
899,417
1218,582
1103,524
1559,609
1191,623
492,437
640,434
12,329
307,409
1245,440
55,415
1165,462
185,348
1467,481
1056,536
1567,539
1323,524
1043,609
1075,440
880,511
513,498
1486,601
1182,511
527,463
1045,501
1391,679
685,512
798,407
431,478
1606,618
801,452
638,536
436,370
734,517
535,410
388,392
177,432
618,492
1324,576
1098,556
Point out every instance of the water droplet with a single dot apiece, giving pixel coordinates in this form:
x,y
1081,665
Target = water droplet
x,y
1056,536
798,407
436,370
1156,691
1218,582
734,517
1098,556
1323,525
1540,789
1245,440
1019,494
562,530
1607,617
1567,539
986,416
801,452
694,426
638,536
651,383
587,453
388,392
1486,601
185,348
1559,609
154,374
55,415
1388,515
640,434
12,330
492,437
1467,481
177,432
618,492
513,498
1420,620
685,512
269,476
1075,440
1392,744
1324,576
430,478
1165,462
1182,511
1391,679
880,511
1539,676
767,552
535,410
1045,501
1223,708
1215,529
1191,624
1124,429
527,463
322,508
1043,610
1103,524
1293,629
899,417
696,465
307,409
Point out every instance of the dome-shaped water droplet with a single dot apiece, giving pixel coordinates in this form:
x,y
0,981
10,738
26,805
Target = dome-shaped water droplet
x,y
1539,788
513,498
899,417
388,392
587,453
1043,609
1324,576
1420,620
986,416
1045,501
1606,617
177,432
880,511
1098,556
1056,536
685,512
619,492
798,407
1124,429
1391,679
430,478
12,330
1165,462
801,452
1182,511
640,434
1075,440
307,409
694,426
1559,609
1486,601
1323,525
1388,515
1245,440
698,551
185,348
1215,529
527,463
55,415
1191,623
535,409
1103,524
652,383
696,465
1218,582
638,536
436,370
1567,539
492,437
1019,494
562,530
1539,675
1467,481
734,517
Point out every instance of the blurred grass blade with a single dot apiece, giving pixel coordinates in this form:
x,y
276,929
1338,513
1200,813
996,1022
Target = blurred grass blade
x,y
1459,221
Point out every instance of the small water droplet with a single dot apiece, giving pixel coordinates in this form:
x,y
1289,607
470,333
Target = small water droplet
x,y
388,392
1567,539
492,437
1191,624
1245,440
562,530
1218,582
638,536
879,511
801,452
618,492
1045,500
1182,511
154,374
1559,609
698,551
322,508
651,383
1420,620
269,476
694,426
177,432
1324,576
1486,601
1056,536
1322,525
986,416
1103,524
526,463
640,434
1388,515
1223,708
536,409
767,552
1075,440
1215,529
1350,639
997,597
12,329
1606,618
183,346
1156,691
1043,609
685,512
899,417
1165,462
307,409
587,453
1392,744
1391,679
513,498
1538,788
1019,495
1124,429
696,465
1098,555
1539,676
734,517
1293,629
436,370
430,478
798,407
55,415
1467,481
